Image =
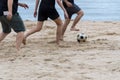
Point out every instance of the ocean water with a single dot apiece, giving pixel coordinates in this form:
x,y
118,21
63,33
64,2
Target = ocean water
x,y
95,10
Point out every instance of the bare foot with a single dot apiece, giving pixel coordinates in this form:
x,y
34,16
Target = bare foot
x,y
74,29
24,41
61,39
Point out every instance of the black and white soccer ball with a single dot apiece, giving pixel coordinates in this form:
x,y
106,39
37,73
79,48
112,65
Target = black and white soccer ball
x,y
81,37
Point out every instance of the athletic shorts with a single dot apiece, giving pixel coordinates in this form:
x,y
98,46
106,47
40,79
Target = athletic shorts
x,y
44,14
72,10
15,23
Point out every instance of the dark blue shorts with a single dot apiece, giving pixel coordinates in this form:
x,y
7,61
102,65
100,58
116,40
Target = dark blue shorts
x,y
72,10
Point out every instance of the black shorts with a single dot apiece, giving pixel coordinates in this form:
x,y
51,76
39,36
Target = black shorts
x,y
72,10
43,14
15,23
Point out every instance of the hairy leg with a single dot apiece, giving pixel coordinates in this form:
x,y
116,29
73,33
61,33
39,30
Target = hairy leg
x,y
59,23
67,21
33,30
78,17
19,39
3,35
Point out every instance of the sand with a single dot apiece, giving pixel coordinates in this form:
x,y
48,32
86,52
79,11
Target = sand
x,y
96,59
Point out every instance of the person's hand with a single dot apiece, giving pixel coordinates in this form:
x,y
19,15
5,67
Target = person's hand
x,y
9,16
66,15
35,13
69,4
24,5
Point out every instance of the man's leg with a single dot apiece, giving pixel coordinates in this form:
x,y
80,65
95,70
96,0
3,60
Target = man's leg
x,y
19,39
33,30
3,35
67,21
59,23
78,17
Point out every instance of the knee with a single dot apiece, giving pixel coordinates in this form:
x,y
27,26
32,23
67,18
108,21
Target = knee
x,y
81,13
60,23
38,28
20,34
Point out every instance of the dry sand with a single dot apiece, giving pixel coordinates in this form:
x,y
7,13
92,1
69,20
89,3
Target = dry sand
x,y
96,59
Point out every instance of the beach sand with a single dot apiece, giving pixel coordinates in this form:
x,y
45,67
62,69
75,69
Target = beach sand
x,y
41,59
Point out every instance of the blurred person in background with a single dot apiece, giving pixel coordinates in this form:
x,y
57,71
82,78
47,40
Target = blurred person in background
x,y
47,10
10,19
71,9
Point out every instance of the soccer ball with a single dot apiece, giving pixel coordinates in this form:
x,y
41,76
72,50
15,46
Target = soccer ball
x,y
81,37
